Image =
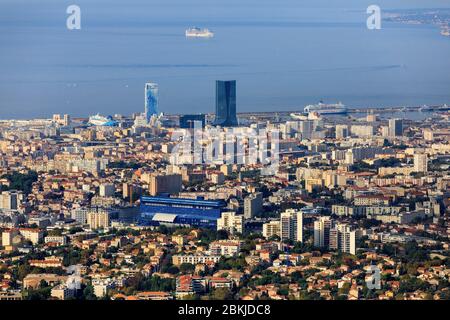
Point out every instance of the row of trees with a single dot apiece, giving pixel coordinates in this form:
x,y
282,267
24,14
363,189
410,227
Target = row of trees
x,y
20,181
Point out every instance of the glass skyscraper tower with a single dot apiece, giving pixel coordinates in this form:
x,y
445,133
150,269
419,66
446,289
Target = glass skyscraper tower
x,y
226,103
395,127
151,100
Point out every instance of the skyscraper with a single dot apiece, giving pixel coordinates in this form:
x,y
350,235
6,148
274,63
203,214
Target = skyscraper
x,y
187,121
10,200
226,104
151,100
253,205
107,190
271,228
231,222
395,127
322,229
343,238
420,162
98,218
164,183
342,131
307,128
291,225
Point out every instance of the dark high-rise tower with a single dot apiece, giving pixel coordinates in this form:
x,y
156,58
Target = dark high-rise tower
x,y
226,104
395,127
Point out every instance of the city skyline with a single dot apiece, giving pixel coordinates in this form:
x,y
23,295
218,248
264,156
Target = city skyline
x,y
285,151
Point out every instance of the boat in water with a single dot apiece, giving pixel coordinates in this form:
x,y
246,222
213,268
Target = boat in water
x,y
195,32
323,108
442,108
99,120
299,116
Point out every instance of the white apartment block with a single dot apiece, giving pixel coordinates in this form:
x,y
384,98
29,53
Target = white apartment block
x,y
226,248
231,222
291,225
194,259
271,229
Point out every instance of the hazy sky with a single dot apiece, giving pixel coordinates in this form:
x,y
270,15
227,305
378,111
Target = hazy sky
x,y
284,54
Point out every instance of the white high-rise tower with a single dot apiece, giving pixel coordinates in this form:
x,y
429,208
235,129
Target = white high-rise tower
x,y
420,162
291,225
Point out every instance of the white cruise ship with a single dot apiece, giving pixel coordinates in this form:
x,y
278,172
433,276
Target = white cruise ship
x,y
298,116
199,33
323,108
99,120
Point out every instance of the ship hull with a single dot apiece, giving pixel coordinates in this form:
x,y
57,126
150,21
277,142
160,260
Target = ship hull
x,y
337,111
102,124
323,108
199,33
436,109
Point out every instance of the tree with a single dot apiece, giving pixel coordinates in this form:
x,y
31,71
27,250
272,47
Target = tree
x,y
190,297
23,270
88,293
163,229
71,257
274,238
75,230
313,295
234,263
20,181
414,253
222,235
369,223
284,291
42,293
412,284
187,268
221,294
173,270
123,165
296,276
156,283
344,289
55,232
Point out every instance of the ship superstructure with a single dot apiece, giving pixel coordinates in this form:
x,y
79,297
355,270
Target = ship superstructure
x,y
323,108
195,32
99,120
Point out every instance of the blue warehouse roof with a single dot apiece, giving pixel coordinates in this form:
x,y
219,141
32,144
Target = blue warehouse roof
x,y
182,201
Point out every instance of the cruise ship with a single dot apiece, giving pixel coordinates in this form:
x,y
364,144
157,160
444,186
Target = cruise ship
x,y
323,108
299,116
426,108
99,120
199,33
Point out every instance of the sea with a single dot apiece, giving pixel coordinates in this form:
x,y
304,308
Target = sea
x,y
284,54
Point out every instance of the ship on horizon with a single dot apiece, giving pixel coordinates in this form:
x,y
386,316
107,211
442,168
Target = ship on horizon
x,y
442,108
195,32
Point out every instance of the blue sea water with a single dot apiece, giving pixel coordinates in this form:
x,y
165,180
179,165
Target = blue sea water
x,y
284,54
